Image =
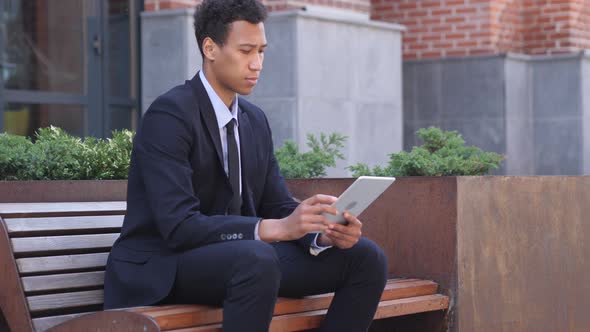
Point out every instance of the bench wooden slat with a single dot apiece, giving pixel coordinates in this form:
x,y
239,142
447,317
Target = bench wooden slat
x,y
174,317
312,319
386,309
63,281
62,263
39,303
65,242
413,288
412,305
39,226
45,323
24,210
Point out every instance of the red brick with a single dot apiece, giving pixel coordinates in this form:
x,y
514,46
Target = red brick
x,y
454,19
468,10
432,54
467,44
444,11
455,35
443,45
419,46
442,28
456,52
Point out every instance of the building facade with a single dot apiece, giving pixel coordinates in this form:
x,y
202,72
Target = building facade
x,y
511,75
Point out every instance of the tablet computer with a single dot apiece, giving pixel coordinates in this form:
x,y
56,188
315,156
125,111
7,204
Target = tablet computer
x,y
356,198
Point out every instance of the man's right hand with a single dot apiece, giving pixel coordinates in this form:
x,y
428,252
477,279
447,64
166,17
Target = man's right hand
x,y
306,218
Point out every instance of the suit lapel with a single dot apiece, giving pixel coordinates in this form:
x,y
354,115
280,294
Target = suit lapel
x,y
208,116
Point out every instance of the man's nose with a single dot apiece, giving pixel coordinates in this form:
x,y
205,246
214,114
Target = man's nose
x,y
256,63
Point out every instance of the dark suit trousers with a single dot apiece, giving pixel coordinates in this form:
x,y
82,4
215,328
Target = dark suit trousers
x,y
245,277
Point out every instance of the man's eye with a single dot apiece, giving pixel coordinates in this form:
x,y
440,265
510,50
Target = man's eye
x,y
245,51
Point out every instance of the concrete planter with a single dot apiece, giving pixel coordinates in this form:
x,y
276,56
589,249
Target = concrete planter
x,y
510,251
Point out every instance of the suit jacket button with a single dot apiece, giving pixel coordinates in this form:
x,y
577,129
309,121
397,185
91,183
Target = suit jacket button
x,y
234,236
240,236
223,237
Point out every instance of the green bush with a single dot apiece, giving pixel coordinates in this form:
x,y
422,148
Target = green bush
x,y
56,155
323,153
107,159
443,154
13,156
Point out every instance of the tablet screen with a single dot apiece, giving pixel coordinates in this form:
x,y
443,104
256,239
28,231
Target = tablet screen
x,y
356,198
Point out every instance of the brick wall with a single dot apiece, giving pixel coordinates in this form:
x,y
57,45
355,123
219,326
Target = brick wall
x,y
445,28
439,28
469,27
556,26
506,26
362,6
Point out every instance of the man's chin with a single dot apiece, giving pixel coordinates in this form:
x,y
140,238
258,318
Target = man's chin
x,y
246,91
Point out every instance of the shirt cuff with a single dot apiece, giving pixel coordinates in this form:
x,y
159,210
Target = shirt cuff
x,y
256,236
316,249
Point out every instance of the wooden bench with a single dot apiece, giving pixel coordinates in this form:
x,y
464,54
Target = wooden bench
x,y
52,260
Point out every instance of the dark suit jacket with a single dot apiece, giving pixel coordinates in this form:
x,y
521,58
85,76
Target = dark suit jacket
x,y
178,192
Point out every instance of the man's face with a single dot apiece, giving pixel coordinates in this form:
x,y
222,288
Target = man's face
x,y
238,62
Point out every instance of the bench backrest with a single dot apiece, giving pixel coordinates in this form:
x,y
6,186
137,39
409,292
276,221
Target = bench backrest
x,y
53,258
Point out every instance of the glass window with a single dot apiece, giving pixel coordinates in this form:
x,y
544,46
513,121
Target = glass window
x,y
122,118
120,47
43,45
25,119
68,52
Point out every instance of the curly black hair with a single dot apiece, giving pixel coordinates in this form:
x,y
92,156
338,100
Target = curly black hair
x,y
213,17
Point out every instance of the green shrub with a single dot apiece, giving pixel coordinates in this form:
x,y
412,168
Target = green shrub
x,y
104,160
323,153
56,155
120,147
13,156
443,154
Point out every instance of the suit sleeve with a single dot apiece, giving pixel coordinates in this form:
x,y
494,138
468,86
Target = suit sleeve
x,y
277,201
163,148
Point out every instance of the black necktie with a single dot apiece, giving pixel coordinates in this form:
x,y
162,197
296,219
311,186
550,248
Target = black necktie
x,y
233,162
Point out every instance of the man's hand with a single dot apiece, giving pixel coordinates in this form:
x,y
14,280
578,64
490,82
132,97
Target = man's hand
x,y
306,218
342,236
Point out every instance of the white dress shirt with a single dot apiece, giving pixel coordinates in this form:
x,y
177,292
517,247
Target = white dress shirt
x,y
224,116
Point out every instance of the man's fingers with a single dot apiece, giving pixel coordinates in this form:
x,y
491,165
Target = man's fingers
x,y
341,237
313,223
314,219
352,234
321,199
321,208
351,229
314,227
352,219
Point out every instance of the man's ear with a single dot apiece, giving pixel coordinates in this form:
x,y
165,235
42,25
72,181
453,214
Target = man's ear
x,y
210,49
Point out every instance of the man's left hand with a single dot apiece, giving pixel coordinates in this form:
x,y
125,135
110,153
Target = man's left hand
x,y
342,236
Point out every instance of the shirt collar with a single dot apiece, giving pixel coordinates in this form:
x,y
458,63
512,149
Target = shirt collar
x,y
221,111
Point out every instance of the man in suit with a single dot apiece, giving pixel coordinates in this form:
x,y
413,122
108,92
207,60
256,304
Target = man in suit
x,y
209,218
